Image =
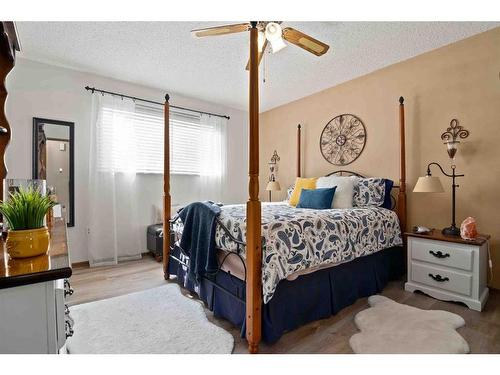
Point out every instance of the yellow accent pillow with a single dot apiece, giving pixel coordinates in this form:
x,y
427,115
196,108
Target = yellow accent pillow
x,y
301,183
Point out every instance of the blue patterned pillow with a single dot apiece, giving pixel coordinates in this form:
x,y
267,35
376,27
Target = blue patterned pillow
x,y
369,192
387,199
319,199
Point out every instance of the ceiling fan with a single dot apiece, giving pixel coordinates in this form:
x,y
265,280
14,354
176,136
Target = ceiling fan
x,y
270,32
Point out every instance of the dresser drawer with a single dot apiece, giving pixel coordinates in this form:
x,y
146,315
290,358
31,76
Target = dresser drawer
x,y
60,315
442,253
440,278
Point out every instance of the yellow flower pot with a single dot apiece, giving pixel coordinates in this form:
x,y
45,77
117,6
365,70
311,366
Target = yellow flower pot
x,y
27,243
19,266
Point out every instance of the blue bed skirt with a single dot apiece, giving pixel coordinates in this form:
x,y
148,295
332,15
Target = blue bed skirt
x,y
309,297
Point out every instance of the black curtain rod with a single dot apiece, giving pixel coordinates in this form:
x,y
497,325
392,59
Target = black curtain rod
x,y
93,89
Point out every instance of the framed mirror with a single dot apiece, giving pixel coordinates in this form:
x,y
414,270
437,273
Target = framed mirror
x,y
53,161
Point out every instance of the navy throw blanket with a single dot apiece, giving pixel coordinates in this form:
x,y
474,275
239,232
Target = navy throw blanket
x,y
198,238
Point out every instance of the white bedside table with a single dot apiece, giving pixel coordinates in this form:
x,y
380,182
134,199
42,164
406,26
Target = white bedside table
x,y
449,268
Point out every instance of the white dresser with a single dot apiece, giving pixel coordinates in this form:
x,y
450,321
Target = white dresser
x,y
33,315
34,318
449,268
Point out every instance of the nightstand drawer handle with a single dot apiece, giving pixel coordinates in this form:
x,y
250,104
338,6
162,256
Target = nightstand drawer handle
x,y
438,278
439,254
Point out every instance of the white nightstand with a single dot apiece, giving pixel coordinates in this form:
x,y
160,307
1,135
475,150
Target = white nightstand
x,y
449,268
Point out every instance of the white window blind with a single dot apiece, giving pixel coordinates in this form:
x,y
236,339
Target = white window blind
x,y
134,140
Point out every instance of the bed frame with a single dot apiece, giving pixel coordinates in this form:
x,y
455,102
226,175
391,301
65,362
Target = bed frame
x,y
253,261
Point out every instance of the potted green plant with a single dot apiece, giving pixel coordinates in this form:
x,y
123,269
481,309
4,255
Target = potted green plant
x,y
24,212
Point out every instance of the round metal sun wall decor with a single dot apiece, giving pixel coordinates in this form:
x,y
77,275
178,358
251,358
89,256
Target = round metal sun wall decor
x,y
343,139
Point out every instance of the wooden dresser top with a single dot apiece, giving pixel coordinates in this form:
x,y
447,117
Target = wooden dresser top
x,y
52,266
437,235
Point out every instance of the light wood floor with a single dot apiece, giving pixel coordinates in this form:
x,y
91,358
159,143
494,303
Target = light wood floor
x,y
482,329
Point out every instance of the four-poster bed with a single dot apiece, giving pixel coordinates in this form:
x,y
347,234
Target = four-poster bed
x,y
241,299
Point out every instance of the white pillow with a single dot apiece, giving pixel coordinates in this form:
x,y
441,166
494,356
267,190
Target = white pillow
x,y
343,193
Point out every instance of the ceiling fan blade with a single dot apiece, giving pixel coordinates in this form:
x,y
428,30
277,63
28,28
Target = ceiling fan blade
x,y
221,30
261,54
305,41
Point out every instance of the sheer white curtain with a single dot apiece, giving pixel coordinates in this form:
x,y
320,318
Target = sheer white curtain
x,y
113,224
213,148
126,143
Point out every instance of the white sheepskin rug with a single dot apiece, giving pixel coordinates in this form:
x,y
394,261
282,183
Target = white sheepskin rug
x,y
158,320
390,327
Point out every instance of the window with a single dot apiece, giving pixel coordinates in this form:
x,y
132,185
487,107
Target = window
x,y
131,139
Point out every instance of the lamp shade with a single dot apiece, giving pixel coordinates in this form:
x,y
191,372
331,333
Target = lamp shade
x,y
428,184
273,186
274,35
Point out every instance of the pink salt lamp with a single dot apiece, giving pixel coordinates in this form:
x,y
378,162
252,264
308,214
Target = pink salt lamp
x,y
468,229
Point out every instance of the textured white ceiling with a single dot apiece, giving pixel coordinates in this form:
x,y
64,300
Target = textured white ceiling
x,y
164,55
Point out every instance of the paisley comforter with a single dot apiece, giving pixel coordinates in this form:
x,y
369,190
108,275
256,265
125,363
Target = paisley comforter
x,y
295,239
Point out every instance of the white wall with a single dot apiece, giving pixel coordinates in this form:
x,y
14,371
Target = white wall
x,y
40,90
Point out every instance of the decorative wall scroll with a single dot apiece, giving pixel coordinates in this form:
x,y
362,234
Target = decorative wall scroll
x,y
343,139
450,136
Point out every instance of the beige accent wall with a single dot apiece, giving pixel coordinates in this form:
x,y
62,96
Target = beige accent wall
x,y
457,81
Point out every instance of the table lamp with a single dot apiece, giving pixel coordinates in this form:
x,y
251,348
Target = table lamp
x,y
273,185
432,184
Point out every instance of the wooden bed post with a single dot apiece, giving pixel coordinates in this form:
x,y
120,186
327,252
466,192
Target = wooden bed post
x,y
299,168
254,242
401,204
166,189
9,46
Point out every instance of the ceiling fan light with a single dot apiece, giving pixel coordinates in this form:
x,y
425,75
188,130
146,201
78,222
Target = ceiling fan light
x,y
274,34
261,40
277,45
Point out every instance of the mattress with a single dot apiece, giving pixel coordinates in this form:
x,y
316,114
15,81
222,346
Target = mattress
x,y
297,241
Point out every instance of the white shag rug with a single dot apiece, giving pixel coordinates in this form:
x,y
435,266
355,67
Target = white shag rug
x,y
156,321
391,327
